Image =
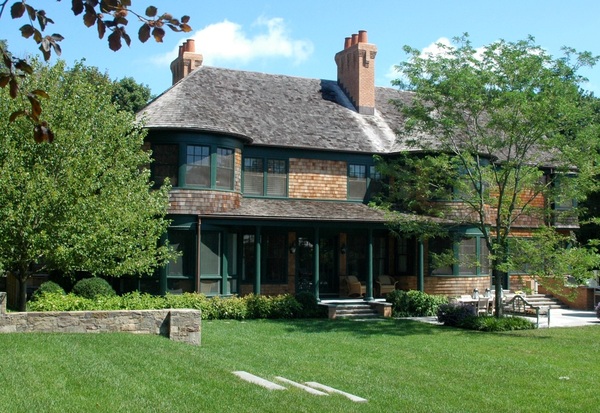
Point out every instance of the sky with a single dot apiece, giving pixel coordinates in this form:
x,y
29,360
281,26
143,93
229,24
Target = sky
x,y
301,37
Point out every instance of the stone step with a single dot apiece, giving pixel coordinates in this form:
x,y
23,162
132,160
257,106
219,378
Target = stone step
x,y
355,311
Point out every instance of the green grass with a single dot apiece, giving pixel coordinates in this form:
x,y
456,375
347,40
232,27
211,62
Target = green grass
x,y
398,365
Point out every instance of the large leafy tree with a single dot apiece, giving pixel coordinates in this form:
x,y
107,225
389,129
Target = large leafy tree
x,y
83,202
129,95
508,132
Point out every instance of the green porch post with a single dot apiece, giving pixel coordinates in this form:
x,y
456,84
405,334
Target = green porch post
x,y
257,253
316,264
225,266
369,295
421,272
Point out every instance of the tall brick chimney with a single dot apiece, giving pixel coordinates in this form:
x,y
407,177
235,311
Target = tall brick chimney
x,y
187,61
356,72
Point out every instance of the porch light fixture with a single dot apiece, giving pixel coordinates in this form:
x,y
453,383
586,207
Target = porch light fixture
x,y
343,249
293,248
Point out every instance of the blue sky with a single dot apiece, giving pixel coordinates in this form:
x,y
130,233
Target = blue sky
x,y
300,38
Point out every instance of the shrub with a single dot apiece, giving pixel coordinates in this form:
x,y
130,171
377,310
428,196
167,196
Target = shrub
x,y
61,302
93,287
414,303
47,287
259,306
310,307
490,323
285,306
455,315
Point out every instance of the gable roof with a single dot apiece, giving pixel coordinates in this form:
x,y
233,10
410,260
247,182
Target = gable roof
x,y
276,110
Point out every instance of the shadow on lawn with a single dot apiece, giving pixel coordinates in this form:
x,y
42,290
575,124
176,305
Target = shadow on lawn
x,y
393,327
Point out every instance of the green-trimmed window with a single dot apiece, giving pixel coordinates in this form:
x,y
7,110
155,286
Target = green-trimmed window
x,y
225,163
253,176
465,256
265,177
357,181
166,163
197,171
181,271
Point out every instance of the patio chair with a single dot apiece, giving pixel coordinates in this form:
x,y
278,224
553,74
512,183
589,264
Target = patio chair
x,y
353,287
384,284
483,305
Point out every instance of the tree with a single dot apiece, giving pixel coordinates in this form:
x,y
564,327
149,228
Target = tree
x,y
84,202
129,95
507,131
111,15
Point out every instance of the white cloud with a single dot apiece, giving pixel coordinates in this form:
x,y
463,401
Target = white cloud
x,y
439,47
227,42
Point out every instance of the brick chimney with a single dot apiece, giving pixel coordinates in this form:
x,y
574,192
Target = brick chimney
x,y
187,61
356,72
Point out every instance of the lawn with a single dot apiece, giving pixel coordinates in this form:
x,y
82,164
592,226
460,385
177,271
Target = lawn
x,y
398,365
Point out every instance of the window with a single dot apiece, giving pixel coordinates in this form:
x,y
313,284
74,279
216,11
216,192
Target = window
x,y
210,263
274,255
357,181
275,264
197,171
276,177
405,253
464,256
258,181
181,272
253,176
225,160
166,163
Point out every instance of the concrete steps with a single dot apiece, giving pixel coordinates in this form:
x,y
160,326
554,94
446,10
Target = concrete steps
x,y
542,300
356,311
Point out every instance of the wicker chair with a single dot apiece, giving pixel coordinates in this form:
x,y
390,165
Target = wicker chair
x,y
384,284
353,287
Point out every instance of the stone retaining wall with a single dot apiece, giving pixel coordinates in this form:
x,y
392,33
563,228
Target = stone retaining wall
x,y
177,324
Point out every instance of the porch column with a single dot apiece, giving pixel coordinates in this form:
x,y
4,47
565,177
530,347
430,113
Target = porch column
x,y
369,295
257,253
225,265
316,264
421,266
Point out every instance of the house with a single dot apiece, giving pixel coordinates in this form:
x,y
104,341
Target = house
x,y
271,176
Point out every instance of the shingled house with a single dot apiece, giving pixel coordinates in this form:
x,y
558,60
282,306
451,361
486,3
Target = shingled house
x,y
271,177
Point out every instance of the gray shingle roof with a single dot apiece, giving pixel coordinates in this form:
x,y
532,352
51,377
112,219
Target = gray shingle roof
x,y
303,210
275,110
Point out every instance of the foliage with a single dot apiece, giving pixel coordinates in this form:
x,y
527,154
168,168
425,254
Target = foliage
x,y
465,316
548,255
47,287
454,315
129,95
213,308
494,324
499,132
92,288
103,15
310,306
83,203
414,303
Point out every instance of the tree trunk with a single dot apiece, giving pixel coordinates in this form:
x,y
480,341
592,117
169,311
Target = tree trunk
x,y
497,277
22,293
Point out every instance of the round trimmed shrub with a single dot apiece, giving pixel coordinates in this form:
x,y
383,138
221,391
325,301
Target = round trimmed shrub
x,y
310,307
47,287
93,287
414,303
